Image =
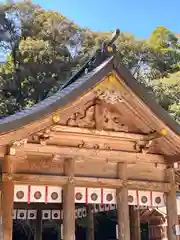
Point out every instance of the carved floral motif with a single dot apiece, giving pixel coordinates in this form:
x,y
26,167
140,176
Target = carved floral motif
x,y
112,121
42,136
20,143
88,119
90,145
83,119
143,146
111,95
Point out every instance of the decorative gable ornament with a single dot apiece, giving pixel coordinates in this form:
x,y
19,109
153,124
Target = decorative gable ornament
x,y
109,95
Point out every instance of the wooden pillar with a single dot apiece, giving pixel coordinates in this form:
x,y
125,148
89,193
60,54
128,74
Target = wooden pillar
x,y
7,209
1,236
171,204
7,199
90,223
122,206
135,223
68,202
38,226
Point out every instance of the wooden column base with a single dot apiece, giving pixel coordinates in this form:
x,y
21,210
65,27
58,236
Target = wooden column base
x,y
69,203
122,205
172,216
123,214
171,205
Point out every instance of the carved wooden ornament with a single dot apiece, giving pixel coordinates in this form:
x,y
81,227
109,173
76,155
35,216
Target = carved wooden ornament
x,y
109,95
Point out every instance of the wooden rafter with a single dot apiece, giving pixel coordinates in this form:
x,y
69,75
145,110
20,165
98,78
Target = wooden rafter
x,y
96,133
92,138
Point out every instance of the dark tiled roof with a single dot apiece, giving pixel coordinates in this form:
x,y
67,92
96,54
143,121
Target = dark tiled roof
x,y
61,98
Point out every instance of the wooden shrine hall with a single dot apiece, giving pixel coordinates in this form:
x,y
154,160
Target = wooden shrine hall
x,y
101,139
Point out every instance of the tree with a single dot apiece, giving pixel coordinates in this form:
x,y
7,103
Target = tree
x,y
44,48
166,48
167,91
42,56
162,38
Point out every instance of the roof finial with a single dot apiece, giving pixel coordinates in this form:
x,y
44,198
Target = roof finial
x,y
107,49
115,36
109,46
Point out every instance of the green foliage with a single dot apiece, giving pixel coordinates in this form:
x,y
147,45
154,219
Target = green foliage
x,y
40,60
167,91
166,47
162,38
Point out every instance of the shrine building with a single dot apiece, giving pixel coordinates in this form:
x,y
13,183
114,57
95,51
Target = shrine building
x,y
101,139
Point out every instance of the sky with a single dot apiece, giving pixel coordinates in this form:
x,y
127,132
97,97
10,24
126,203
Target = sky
x,y
139,17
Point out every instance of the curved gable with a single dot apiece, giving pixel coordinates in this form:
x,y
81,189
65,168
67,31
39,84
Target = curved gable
x,y
108,98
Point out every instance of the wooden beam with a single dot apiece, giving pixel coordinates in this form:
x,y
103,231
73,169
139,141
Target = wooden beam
x,y
53,165
20,178
149,185
87,182
69,202
122,206
96,133
110,156
127,140
102,142
171,205
151,136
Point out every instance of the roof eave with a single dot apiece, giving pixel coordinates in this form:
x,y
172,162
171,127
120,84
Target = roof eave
x,y
59,100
